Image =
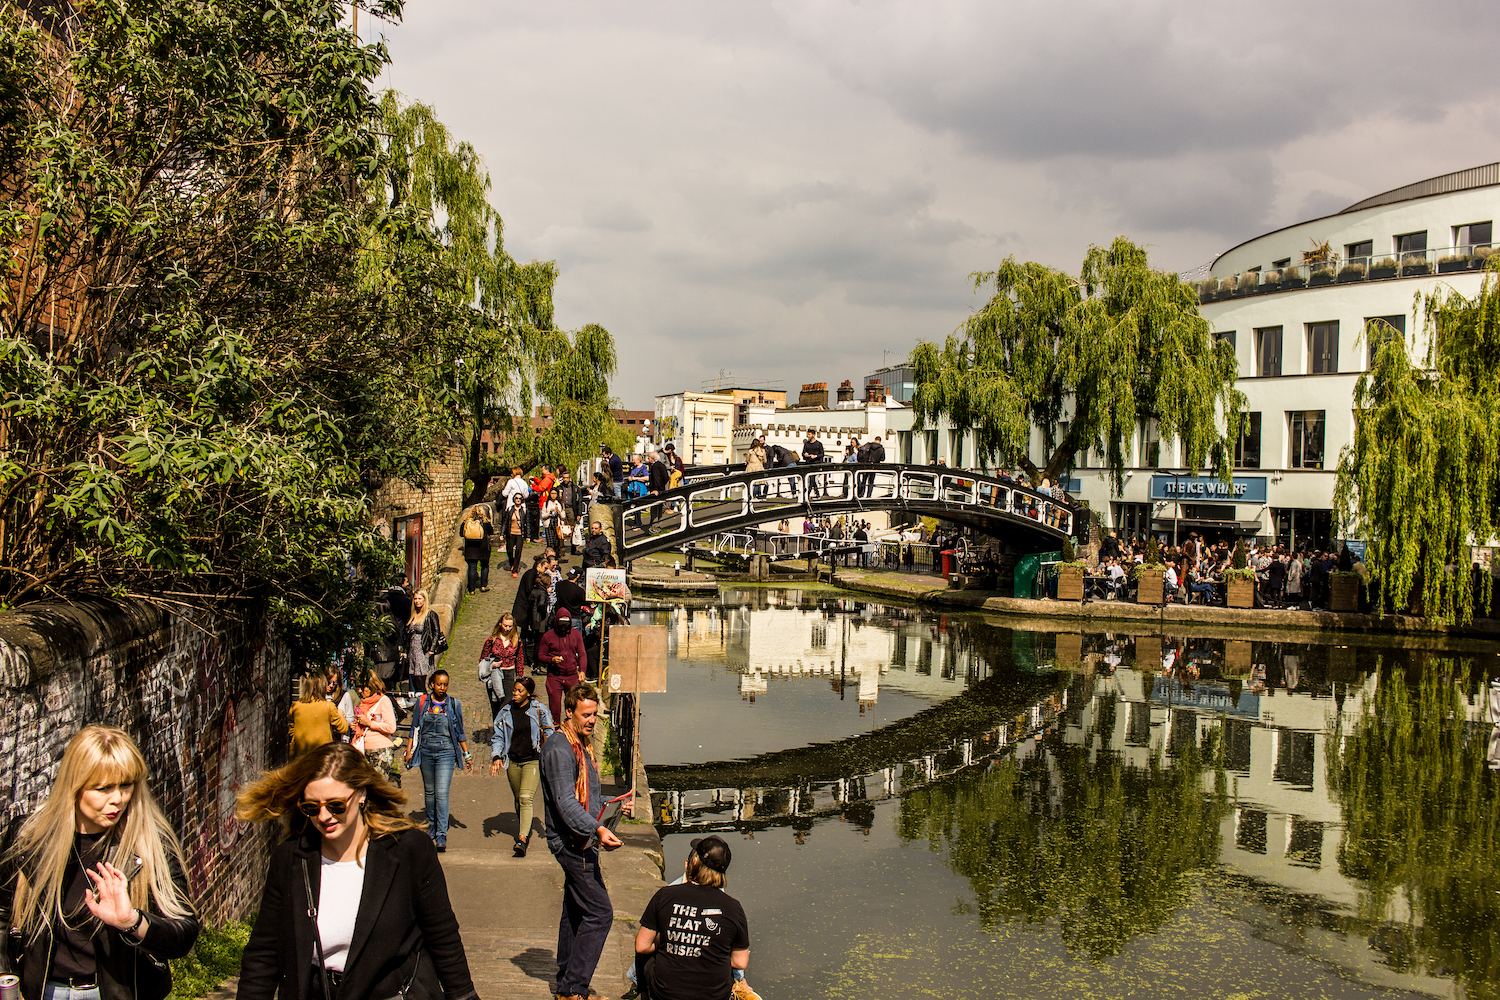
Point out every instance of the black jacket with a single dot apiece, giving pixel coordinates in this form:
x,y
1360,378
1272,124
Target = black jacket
x,y
596,551
520,609
658,477
405,922
126,968
780,457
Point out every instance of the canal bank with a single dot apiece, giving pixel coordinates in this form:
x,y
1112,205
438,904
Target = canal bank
x,y
934,591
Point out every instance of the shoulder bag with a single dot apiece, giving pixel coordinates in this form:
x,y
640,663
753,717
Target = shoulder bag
x,y
312,912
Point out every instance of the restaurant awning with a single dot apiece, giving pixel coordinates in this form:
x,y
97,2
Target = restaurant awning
x,y
1186,524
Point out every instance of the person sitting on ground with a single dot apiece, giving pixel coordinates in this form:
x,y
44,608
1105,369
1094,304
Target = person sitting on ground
x,y
703,956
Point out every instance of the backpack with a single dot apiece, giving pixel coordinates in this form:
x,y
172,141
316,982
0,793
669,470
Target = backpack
x,y
474,529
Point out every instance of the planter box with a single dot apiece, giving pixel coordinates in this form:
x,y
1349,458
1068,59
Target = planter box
x,y
1320,279
1150,589
1449,266
1290,283
1242,593
1069,585
1382,272
1344,593
1348,274
1069,649
1414,270
1236,656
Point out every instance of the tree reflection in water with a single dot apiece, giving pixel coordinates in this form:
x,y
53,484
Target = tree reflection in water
x,y
1420,812
1073,835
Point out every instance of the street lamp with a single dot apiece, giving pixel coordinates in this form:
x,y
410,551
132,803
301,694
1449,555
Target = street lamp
x,y
1176,501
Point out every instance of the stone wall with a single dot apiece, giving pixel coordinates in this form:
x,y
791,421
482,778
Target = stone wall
x,y
205,698
440,505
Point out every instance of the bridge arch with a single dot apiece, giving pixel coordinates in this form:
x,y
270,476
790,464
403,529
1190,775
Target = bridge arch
x,y
707,505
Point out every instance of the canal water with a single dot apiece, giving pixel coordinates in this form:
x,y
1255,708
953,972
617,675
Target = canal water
x,y
924,804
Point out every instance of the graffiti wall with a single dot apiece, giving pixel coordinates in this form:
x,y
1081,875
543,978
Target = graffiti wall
x,y
204,697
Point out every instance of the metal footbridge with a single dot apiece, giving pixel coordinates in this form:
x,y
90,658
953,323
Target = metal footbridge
x,y
709,503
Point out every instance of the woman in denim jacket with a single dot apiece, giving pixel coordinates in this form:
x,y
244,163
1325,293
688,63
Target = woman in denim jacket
x,y
520,729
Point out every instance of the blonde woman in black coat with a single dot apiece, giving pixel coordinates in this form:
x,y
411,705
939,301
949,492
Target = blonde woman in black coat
x,y
355,898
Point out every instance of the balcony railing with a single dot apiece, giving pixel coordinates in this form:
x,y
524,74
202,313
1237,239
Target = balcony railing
x,y
1342,271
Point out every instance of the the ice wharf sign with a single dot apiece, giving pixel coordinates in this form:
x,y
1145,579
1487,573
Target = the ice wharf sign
x,y
1244,489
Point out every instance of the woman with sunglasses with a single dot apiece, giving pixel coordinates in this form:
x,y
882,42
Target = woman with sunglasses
x,y
348,838
92,889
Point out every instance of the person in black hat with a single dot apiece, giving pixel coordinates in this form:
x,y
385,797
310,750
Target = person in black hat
x,y
694,938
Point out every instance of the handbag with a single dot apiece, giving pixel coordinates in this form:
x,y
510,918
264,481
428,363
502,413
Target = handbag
x,y
312,911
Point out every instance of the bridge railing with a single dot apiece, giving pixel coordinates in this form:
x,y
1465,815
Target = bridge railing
x,y
774,493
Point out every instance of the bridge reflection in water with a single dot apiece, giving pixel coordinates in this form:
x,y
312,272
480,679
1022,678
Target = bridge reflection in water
x,y
1326,807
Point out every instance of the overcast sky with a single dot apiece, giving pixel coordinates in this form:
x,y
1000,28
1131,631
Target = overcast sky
x,y
799,191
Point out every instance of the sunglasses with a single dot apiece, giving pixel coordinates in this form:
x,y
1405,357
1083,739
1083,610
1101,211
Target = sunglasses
x,y
336,807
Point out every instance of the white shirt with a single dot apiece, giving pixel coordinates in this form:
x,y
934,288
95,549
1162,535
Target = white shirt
x,y
516,487
338,904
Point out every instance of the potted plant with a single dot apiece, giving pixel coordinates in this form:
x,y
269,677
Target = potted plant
x,y
1321,275
1270,281
1449,263
1385,267
1482,257
1293,277
1240,579
1151,575
1344,584
1250,283
1414,264
1208,290
1351,272
1070,573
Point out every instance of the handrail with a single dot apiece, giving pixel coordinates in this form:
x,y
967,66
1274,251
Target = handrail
x,y
1341,270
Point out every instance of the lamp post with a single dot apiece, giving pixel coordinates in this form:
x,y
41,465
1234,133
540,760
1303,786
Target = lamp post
x,y
1176,501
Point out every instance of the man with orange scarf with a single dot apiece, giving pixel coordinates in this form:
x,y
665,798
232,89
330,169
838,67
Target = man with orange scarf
x,y
573,802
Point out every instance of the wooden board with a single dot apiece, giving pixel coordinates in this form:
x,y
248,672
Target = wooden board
x,y
637,659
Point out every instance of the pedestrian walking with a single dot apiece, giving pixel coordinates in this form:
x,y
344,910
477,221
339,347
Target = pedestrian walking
x,y
375,727
427,641
501,661
515,533
566,494
552,514
616,469
516,486
355,905
438,747
476,533
313,719
521,728
706,954
561,650
573,802
92,890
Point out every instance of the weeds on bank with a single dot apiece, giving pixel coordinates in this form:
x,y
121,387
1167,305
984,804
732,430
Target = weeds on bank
x,y
215,958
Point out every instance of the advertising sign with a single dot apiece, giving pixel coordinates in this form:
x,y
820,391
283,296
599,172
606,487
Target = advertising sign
x,y
601,585
1193,489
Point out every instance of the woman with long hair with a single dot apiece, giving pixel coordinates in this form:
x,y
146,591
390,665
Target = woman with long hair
x,y
375,726
348,838
552,513
438,746
93,888
520,730
313,718
424,629
501,661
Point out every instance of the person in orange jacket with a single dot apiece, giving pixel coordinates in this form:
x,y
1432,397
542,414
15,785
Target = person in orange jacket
x,y
543,484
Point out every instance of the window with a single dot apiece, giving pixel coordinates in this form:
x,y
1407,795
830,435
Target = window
x,y
1323,348
1224,337
1247,448
718,426
630,421
1283,262
1268,350
1306,431
1150,432
1355,250
1208,511
697,425
1132,520
1474,234
1379,329
1302,528
1411,243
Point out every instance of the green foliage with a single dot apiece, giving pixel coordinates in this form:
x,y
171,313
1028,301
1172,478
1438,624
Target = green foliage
x,y
1241,557
1118,345
1153,551
1421,479
1068,553
214,958
1421,816
1076,838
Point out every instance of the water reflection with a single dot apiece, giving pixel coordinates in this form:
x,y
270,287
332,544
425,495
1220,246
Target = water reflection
x,y
1277,811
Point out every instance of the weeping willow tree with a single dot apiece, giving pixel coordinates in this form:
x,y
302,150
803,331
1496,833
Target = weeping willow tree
x,y
1421,816
497,347
1084,360
1421,478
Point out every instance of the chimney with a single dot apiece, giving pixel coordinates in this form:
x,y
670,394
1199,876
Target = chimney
x,y
846,392
874,392
814,394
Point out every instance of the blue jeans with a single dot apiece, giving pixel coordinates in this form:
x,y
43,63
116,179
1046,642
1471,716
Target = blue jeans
x,y
437,774
586,918
62,991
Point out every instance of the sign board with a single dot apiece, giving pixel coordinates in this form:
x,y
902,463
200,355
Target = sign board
x,y
601,584
637,659
1244,489
1356,548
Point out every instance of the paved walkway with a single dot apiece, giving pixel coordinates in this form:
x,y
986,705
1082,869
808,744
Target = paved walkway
x,y
508,907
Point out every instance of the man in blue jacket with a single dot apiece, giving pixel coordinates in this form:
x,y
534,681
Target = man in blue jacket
x,y
573,799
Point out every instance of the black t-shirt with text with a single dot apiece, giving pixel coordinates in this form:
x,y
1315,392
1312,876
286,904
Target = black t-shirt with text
x,y
697,928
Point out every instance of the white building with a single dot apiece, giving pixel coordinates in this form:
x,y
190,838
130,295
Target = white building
x,y
1299,329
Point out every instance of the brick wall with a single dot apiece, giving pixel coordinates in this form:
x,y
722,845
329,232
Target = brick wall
x,y
205,699
440,506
